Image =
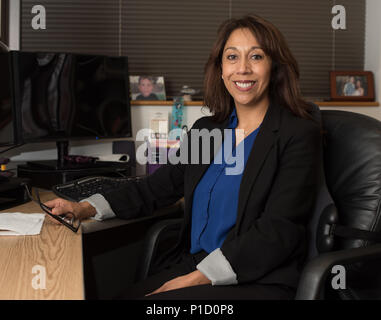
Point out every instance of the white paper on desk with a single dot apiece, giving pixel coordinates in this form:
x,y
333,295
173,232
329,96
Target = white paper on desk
x,y
21,224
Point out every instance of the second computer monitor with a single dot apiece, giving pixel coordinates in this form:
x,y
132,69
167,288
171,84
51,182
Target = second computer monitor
x,y
65,96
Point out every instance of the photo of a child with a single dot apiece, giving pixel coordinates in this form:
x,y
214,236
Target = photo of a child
x,y
147,88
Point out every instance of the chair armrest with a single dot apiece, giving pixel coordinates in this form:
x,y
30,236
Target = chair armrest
x,y
151,243
91,225
313,278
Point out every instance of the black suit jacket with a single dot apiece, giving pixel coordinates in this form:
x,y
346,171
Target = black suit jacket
x,y
276,198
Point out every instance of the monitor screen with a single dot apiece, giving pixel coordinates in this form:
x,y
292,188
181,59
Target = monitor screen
x,y
7,121
64,96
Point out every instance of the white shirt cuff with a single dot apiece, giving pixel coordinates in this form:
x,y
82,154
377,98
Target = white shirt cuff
x,y
102,207
217,269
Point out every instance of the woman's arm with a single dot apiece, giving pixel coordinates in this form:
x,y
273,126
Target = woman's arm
x,y
141,198
137,198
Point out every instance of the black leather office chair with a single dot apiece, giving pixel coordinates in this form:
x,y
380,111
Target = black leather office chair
x,y
345,229
346,223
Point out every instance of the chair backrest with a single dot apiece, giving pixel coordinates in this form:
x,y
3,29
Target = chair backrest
x,y
352,166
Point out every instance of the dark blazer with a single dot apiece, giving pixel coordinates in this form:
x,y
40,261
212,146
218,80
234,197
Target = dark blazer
x,y
276,198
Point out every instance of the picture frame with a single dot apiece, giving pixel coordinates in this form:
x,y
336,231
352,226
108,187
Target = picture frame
x,y
147,87
352,86
4,21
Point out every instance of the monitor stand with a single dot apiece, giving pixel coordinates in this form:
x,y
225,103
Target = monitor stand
x,y
61,163
48,173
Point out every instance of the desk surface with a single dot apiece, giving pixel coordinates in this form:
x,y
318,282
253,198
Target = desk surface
x,y
56,248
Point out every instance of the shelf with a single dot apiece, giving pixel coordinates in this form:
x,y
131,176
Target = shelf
x,y
319,103
164,103
347,104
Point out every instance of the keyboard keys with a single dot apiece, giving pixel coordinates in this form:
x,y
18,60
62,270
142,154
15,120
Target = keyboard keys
x,y
85,187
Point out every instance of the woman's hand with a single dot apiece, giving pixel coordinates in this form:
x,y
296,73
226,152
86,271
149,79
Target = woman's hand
x,y
194,278
82,210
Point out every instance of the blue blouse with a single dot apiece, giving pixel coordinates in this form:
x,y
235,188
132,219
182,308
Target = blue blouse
x,y
215,199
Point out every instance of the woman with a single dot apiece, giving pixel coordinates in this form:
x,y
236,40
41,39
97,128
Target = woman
x,y
359,89
244,235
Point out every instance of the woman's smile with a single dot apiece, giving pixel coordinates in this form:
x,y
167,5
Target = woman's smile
x,y
245,85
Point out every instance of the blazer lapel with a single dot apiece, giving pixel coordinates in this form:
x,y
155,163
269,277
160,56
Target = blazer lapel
x,y
263,143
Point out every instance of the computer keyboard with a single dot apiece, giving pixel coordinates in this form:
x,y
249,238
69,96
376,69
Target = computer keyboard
x,y
79,189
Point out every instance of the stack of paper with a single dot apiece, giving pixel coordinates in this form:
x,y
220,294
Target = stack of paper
x,y
20,224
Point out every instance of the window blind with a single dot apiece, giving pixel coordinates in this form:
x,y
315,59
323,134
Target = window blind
x,y
82,26
173,38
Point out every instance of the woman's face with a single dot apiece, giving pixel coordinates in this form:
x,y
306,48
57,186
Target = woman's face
x,y
246,69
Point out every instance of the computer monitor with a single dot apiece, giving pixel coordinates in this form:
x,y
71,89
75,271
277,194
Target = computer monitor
x,y
8,132
67,96
72,96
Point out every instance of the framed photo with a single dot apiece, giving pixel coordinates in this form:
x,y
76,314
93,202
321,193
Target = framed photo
x,y
4,21
352,86
147,88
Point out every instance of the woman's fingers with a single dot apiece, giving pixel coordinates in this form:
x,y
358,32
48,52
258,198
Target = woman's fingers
x,y
58,202
161,289
59,206
51,203
60,210
81,210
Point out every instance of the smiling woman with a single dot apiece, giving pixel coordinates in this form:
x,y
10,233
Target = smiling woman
x,y
231,220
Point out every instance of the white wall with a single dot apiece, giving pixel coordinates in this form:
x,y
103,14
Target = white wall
x,y
14,24
373,42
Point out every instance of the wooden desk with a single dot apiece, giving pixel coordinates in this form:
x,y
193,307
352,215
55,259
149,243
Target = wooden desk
x,y
56,248
59,250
